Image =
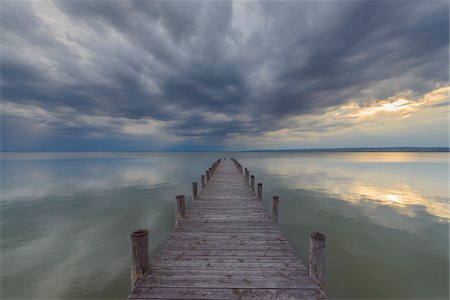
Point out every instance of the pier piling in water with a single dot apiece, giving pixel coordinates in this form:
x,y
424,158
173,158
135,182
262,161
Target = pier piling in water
x,y
181,209
275,201
317,259
194,190
260,191
140,260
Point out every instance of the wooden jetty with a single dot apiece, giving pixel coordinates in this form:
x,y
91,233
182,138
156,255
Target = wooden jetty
x,y
226,246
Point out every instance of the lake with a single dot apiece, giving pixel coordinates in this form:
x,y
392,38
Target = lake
x,y
66,217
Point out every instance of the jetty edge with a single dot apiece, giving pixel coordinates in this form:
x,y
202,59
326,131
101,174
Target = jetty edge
x,y
226,246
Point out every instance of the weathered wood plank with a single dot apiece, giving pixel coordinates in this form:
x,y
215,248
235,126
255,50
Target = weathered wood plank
x,y
304,282
224,265
219,293
231,273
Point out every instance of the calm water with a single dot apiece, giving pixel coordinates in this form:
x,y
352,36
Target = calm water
x,y
66,217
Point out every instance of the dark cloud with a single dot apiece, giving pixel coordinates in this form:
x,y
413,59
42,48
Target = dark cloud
x,y
186,62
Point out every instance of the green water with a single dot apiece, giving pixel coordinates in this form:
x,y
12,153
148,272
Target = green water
x,y
66,217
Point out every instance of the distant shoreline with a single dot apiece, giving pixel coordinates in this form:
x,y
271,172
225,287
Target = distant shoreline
x,y
374,149
310,150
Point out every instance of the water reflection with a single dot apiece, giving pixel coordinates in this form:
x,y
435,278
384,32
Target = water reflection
x,y
407,182
66,218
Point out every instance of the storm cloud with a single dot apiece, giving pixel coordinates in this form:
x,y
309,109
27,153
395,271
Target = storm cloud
x,y
173,74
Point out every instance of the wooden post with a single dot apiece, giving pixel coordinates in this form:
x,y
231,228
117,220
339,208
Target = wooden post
x,y
180,214
245,173
260,191
140,261
194,190
210,172
207,175
252,182
203,181
275,209
317,258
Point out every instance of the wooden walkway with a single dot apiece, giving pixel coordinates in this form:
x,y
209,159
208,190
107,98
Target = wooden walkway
x,y
226,247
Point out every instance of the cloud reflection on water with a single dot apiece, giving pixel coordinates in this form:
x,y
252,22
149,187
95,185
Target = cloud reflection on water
x,y
371,177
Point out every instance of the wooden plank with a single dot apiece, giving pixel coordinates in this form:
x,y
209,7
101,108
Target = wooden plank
x,y
231,273
209,281
225,265
220,293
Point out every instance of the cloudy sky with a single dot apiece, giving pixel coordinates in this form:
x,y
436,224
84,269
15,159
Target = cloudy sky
x,y
214,75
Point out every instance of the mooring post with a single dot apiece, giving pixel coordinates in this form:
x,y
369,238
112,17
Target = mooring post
x,y
210,172
180,214
245,173
140,261
252,182
207,176
203,181
275,209
317,259
260,191
194,190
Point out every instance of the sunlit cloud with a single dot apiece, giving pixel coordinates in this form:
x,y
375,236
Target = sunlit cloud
x,y
67,118
397,106
367,116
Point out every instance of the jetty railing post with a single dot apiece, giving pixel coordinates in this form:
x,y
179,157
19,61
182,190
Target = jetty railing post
x,y
207,176
194,190
317,258
252,182
180,214
140,260
210,172
275,209
203,181
245,173
260,191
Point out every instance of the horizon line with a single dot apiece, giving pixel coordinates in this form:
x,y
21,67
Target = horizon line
x,y
340,149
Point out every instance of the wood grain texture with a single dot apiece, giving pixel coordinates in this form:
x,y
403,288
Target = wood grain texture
x,y
227,247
